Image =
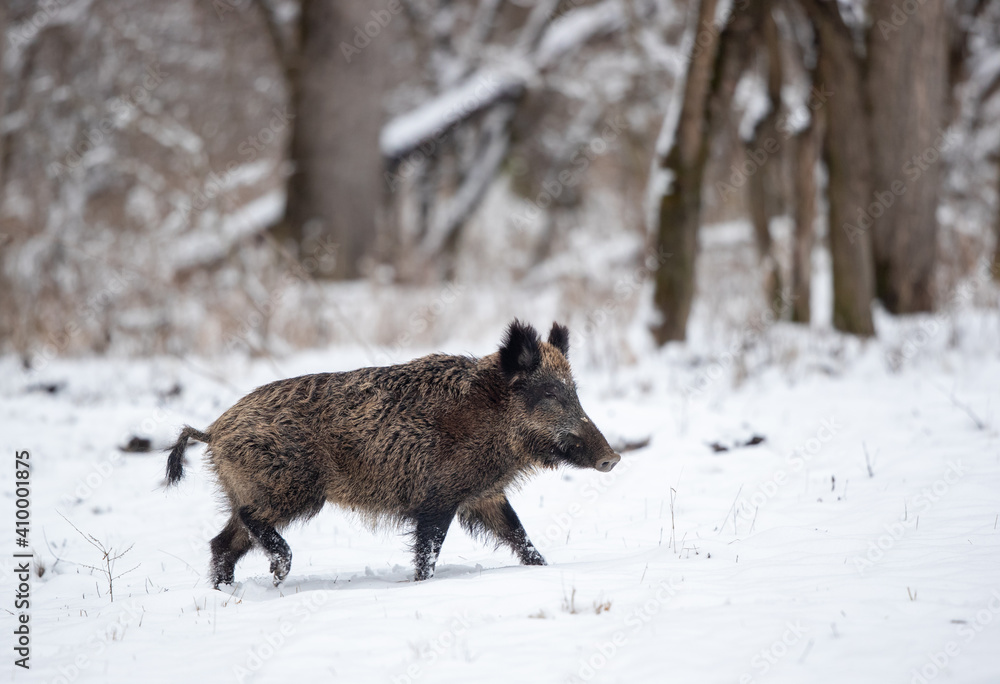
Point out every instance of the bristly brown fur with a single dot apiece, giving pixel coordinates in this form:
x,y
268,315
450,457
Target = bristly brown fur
x,y
559,338
416,443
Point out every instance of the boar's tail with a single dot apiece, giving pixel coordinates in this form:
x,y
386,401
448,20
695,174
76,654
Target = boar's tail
x,y
175,462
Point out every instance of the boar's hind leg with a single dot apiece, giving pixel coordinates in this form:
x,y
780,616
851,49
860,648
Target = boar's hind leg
x,y
496,518
227,548
268,537
428,537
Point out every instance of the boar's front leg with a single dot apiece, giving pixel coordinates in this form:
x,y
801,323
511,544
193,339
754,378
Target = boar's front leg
x,y
495,518
432,526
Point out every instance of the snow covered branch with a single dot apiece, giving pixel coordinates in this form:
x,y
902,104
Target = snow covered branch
x,y
430,121
490,86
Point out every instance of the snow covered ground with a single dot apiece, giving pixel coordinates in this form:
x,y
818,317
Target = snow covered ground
x,y
799,559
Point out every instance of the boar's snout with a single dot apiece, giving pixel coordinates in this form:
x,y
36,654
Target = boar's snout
x,y
606,458
606,464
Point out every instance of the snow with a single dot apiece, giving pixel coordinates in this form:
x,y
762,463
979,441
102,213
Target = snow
x,y
752,100
783,562
408,131
203,244
986,71
572,30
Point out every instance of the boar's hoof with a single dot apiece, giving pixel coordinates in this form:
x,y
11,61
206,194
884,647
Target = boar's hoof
x,y
535,559
280,567
222,573
607,464
222,579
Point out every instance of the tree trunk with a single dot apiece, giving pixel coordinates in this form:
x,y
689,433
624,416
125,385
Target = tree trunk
x,y
680,204
716,64
995,265
806,148
766,183
907,83
335,191
847,156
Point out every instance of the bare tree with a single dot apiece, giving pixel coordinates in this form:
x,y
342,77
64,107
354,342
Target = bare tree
x,y
805,157
717,62
883,105
680,204
766,185
848,161
449,149
908,97
803,161
334,191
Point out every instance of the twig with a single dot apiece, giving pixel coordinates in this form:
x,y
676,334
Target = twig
x,y
806,651
190,567
980,425
868,462
106,556
977,421
673,529
50,547
731,509
236,587
569,604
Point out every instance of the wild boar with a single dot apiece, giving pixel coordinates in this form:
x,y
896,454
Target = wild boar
x,y
413,444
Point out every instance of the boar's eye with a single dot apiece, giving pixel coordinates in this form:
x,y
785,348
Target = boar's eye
x,y
547,396
553,394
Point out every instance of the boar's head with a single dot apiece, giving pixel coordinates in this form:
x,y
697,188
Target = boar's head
x,y
546,416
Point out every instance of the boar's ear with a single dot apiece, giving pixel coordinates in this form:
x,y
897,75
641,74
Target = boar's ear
x,y
519,352
559,338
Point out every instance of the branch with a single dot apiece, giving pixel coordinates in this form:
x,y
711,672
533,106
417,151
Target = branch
x,y
482,23
492,152
988,90
106,555
577,28
429,122
491,86
539,19
282,49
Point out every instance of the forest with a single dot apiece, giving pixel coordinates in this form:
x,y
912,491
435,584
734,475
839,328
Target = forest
x,y
170,175
759,239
